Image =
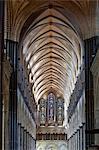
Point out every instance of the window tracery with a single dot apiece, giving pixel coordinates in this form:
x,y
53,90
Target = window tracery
x,y
60,111
42,112
52,110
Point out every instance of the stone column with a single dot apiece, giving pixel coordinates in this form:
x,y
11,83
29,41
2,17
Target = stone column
x,y
22,138
12,49
91,46
19,135
27,140
73,143
78,139
84,139
6,79
33,144
30,142
81,140
1,58
95,72
70,144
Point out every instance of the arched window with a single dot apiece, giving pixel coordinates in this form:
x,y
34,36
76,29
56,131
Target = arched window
x,y
60,111
42,112
51,109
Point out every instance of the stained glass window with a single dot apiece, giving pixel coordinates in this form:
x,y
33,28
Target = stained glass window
x,y
60,111
51,109
42,112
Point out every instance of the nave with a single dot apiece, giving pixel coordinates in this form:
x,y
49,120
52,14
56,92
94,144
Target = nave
x,y
49,75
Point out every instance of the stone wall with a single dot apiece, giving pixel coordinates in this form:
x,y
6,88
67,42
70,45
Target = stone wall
x,y
26,125
76,116
76,127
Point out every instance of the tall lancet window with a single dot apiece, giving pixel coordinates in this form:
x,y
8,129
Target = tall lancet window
x,y
42,112
51,109
60,111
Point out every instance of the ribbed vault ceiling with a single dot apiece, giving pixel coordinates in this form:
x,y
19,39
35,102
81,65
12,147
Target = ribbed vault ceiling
x,y
52,51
